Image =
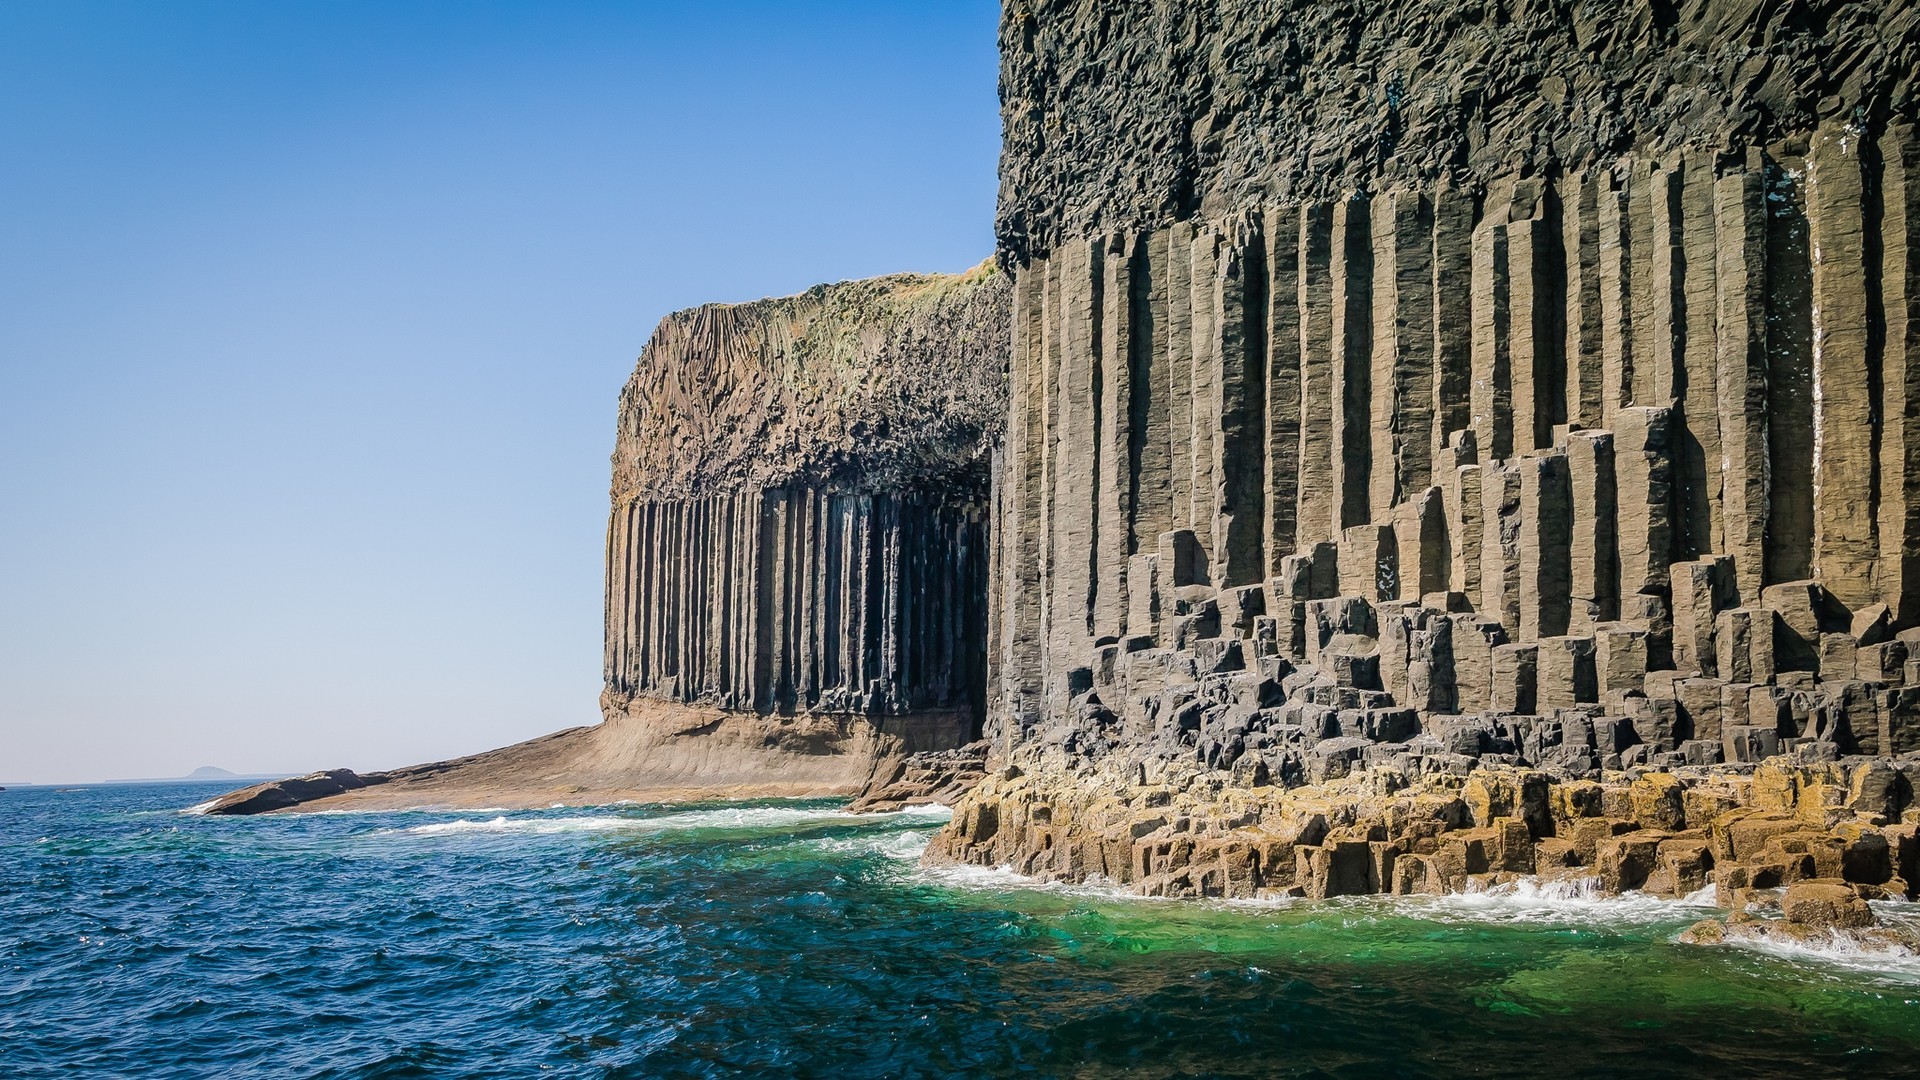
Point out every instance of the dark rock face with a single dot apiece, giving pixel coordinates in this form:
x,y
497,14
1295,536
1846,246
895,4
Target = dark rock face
x,y
1131,116
1407,397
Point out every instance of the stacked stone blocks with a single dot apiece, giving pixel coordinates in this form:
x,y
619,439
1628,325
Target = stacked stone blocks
x,y
1670,390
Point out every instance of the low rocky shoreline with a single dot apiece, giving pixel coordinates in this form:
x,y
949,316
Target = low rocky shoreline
x,y
1832,834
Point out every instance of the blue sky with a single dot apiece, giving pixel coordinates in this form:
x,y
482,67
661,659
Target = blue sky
x,y
313,317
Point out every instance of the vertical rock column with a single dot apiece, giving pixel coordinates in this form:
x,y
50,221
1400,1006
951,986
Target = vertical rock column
x,y
1202,302
1545,573
1021,644
1699,451
1593,570
1352,329
1845,377
1150,395
1240,441
1534,310
1740,372
1452,319
1492,389
1584,350
1120,443
1075,492
1402,375
1790,377
1319,507
1899,453
1613,214
1284,407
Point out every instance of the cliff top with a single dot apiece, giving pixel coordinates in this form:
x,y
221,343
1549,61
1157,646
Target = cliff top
x,y
1131,115
858,384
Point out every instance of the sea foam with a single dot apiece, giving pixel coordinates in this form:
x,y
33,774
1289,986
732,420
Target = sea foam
x,y
761,817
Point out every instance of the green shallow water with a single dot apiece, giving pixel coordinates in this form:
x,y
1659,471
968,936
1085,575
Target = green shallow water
x,y
788,939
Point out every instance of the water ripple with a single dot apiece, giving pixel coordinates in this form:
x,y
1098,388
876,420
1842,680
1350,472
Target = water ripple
x,y
792,939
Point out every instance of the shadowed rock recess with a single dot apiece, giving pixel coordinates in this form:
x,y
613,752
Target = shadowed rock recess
x,y
1453,441
800,508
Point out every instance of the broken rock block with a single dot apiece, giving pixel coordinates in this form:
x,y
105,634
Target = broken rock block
x,y
1352,660
1802,612
1473,642
1369,562
1838,653
1183,561
1619,657
1565,673
1240,606
1515,686
1702,589
1342,616
1825,904
1700,706
1145,591
1885,662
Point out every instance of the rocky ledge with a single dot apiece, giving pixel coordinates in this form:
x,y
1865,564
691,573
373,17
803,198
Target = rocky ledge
x,y
293,791
933,776
1811,914
1163,829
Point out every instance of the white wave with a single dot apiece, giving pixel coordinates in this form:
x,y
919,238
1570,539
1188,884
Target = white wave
x,y
764,817
360,811
1005,879
503,824
1579,903
760,817
1888,964
905,846
1576,902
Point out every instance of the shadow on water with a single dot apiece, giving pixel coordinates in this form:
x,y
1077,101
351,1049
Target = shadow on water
x,y
788,939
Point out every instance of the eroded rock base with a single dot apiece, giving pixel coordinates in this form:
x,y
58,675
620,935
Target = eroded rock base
x,y
1169,829
646,751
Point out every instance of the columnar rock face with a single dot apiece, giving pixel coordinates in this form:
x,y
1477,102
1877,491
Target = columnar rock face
x,y
800,507
1424,387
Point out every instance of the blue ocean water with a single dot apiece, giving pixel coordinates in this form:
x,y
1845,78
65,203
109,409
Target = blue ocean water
x,y
790,939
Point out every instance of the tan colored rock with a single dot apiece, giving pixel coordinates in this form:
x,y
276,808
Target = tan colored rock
x,y
1827,905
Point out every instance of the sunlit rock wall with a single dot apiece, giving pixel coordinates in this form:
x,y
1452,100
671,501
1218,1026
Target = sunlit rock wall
x,y
800,505
1576,343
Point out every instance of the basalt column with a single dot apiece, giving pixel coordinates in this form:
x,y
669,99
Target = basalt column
x,y
1625,394
802,503
1522,391
1402,389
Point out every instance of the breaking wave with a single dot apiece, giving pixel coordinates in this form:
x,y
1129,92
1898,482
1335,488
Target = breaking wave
x,y
727,818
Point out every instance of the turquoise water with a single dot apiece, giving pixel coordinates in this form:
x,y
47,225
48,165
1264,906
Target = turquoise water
x,y
787,939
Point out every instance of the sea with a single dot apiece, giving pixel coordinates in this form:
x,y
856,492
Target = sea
x,y
139,938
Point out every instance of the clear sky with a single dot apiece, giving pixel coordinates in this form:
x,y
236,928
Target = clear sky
x,y
313,317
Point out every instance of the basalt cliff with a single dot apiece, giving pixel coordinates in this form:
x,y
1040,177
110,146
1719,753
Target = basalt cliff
x,y
799,539
1454,441
795,564
1403,447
